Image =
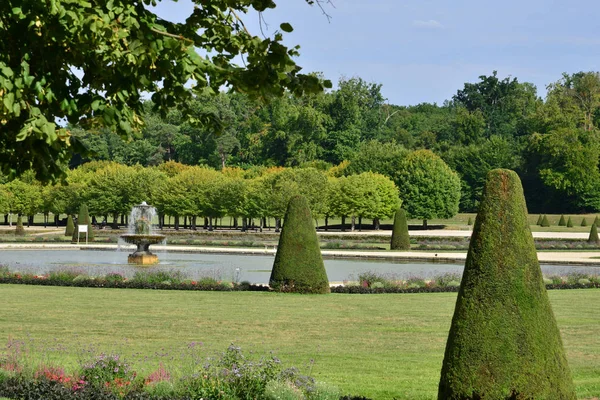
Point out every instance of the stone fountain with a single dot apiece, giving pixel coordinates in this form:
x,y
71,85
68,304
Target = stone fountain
x,y
140,233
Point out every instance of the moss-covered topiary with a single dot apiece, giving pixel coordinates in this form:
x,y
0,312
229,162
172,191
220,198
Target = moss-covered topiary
x,y
561,221
19,229
584,222
539,220
70,226
503,341
593,238
298,265
400,239
569,223
83,219
545,223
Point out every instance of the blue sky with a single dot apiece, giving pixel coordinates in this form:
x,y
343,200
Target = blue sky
x,y
425,50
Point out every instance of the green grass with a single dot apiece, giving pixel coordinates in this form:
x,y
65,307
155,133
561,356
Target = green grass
x,y
381,346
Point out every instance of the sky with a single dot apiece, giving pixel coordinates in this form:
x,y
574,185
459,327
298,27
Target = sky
x,y
425,50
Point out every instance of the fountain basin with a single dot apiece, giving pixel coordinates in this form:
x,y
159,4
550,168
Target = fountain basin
x,y
142,255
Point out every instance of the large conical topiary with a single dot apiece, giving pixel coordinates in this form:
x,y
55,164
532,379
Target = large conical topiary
x,y
545,223
298,265
83,219
400,239
596,221
70,226
503,341
593,238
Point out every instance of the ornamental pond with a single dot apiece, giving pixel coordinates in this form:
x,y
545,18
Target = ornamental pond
x,y
231,267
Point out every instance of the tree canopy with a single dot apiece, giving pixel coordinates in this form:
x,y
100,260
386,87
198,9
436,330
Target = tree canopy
x,y
88,63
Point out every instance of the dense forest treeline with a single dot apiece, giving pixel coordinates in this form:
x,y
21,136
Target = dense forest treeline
x,y
552,143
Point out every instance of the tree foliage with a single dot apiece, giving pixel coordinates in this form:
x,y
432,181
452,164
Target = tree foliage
x,y
428,187
89,62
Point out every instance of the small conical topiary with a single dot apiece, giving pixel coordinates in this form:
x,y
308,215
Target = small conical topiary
x,y
569,223
83,219
70,226
561,221
584,222
545,223
19,229
298,265
593,238
596,221
400,238
469,221
503,342
539,220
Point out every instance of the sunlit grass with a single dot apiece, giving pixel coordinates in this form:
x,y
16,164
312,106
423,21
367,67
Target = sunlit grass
x,y
381,346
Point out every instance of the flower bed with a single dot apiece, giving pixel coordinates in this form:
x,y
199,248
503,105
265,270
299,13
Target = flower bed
x,y
368,282
229,375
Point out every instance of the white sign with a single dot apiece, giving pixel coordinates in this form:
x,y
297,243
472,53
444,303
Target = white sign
x,y
81,229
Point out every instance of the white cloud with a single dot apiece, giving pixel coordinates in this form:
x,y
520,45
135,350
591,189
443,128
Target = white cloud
x,y
430,24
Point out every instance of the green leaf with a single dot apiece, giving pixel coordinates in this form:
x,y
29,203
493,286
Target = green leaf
x,y
17,110
8,100
286,27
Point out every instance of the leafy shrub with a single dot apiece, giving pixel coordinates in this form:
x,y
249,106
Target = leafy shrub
x,y
159,276
106,370
114,277
324,391
277,390
415,282
377,285
81,278
368,278
64,274
445,279
584,281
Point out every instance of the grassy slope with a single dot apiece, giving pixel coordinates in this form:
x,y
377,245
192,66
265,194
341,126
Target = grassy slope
x,y
382,346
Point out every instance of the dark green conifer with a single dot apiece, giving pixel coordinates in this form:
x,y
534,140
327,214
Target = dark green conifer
x,y
569,223
503,342
83,219
596,221
19,229
545,222
70,226
470,221
298,265
539,220
593,238
400,238
583,222
561,221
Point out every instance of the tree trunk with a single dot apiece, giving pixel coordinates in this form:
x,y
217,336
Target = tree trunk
x,y
277,224
376,224
210,224
326,223
353,222
161,221
343,223
193,223
185,222
235,222
360,224
205,223
424,224
176,222
244,224
56,217
122,219
115,223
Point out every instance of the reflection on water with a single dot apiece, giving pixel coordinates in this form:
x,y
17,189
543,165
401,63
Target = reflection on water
x,y
255,269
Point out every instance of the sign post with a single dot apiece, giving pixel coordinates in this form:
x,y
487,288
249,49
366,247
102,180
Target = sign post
x,y
80,230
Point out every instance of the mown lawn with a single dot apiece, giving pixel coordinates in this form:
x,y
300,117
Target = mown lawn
x,y
380,346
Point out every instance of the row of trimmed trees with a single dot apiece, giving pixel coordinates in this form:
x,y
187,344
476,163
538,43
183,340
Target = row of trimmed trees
x,y
504,342
110,190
